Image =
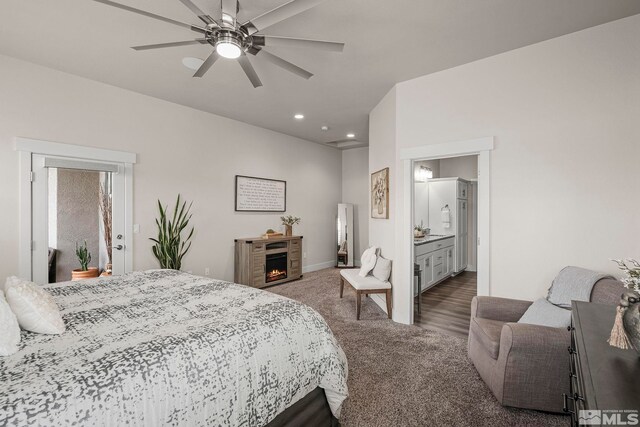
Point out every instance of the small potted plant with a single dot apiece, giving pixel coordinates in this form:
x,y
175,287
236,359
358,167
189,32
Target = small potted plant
x,y
419,231
84,257
288,222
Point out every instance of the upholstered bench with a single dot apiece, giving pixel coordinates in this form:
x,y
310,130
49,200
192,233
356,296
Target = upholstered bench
x,y
365,285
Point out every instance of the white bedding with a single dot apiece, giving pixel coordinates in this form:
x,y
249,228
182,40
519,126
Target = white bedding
x,y
168,348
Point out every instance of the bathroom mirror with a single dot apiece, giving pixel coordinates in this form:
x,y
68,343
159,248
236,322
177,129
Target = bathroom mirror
x,y
345,255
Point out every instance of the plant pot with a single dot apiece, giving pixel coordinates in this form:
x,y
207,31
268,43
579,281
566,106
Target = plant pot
x,y
380,208
78,274
288,230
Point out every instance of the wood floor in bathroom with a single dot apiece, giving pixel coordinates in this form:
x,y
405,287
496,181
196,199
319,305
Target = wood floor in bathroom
x,y
447,306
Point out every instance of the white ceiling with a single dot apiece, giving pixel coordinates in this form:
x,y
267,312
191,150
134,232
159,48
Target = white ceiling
x,y
386,42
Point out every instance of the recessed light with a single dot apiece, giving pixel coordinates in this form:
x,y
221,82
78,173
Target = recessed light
x,y
324,128
192,63
351,135
299,116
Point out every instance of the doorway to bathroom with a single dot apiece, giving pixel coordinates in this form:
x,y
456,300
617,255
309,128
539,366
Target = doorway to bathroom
x,y
445,236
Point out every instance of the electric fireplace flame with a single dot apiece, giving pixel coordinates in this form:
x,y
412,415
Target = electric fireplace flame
x,y
276,274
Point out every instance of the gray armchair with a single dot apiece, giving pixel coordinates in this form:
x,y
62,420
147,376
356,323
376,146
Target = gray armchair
x,y
525,366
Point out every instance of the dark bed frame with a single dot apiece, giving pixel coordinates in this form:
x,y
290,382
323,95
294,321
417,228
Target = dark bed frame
x,y
311,411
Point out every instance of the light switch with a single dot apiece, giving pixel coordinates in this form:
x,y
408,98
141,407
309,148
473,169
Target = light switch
x,y
136,228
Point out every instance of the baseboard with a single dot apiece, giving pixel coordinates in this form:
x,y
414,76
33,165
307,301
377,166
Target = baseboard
x,y
380,300
316,267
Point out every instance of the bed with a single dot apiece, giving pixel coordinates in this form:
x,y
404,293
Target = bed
x,y
163,347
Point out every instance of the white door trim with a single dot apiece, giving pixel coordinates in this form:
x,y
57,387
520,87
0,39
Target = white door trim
x,y
482,148
76,151
467,147
27,148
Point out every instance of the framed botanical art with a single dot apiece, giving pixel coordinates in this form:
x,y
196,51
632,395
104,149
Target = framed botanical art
x,y
380,194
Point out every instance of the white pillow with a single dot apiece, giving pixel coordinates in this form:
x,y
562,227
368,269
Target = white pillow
x,y
9,329
368,261
33,306
382,270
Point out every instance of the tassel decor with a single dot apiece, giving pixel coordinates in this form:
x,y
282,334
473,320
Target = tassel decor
x,y
618,336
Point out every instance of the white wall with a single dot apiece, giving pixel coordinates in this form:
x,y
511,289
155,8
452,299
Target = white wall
x,y
382,154
180,150
564,172
465,167
355,190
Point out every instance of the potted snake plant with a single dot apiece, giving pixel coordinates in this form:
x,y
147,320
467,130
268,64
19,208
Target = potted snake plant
x,y
170,245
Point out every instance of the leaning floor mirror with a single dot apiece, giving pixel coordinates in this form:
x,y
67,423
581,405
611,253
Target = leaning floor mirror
x,y
344,223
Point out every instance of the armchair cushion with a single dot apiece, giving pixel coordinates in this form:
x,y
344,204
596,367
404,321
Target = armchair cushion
x,y
542,312
488,332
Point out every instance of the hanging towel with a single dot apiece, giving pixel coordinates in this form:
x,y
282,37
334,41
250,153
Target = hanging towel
x,y
445,214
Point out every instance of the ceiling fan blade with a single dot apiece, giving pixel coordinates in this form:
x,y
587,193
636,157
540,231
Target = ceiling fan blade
x,y
151,15
170,44
249,70
207,64
276,60
230,11
199,12
278,14
269,41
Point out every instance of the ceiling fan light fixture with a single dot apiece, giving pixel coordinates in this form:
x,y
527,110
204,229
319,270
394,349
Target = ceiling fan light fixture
x,y
228,47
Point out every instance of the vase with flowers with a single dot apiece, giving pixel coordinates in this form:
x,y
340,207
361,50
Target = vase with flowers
x,y
626,328
288,222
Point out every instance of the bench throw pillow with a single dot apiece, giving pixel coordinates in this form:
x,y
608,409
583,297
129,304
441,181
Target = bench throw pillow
x,y
9,329
33,306
368,261
382,270
543,313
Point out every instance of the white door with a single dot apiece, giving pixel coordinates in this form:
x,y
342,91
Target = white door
x,y
43,205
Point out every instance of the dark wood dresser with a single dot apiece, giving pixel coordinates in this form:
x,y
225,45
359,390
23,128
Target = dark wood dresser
x,y
264,262
603,378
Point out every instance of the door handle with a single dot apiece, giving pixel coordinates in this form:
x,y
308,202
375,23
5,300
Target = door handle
x,y
118,247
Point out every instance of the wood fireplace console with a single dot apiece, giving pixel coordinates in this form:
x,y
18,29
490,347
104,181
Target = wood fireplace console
x,y
264,262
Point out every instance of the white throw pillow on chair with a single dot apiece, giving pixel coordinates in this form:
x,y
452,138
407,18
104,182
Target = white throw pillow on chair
x,y
9,329
368,261
33,306
382,270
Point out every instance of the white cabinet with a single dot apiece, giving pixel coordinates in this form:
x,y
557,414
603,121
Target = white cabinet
x,y
435,260
426,270
450,259
461,236
462,189
462,216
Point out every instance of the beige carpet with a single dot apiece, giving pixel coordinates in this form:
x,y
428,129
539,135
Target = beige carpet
x,y
403,375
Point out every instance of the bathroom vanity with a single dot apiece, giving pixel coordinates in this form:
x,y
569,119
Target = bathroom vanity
x,y
436,257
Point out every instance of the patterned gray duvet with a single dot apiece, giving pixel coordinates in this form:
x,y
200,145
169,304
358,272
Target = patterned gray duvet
x,y
167,348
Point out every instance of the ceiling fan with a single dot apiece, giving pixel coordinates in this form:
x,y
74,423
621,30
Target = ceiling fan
x,y
233,40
